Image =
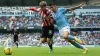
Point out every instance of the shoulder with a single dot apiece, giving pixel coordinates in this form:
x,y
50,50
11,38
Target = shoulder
x,y
48,10
62,8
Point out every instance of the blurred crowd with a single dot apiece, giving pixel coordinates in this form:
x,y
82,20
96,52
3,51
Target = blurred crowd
x,y
90,37
31,39
20,21
30,21
84,21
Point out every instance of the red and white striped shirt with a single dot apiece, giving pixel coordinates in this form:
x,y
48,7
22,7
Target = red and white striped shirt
x,y
47,19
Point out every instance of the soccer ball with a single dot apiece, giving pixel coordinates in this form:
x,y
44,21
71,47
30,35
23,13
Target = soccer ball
x,y
8,51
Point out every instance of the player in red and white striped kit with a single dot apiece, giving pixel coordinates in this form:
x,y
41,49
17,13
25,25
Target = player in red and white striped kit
x,y
47,23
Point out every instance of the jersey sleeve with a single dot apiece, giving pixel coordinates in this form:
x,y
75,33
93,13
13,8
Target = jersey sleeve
x,y
63,10
35,9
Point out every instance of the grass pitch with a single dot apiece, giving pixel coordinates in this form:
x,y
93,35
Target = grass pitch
x,y
44,51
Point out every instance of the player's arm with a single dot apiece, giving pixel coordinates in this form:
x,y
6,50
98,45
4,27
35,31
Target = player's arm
x,y
73,8
33,9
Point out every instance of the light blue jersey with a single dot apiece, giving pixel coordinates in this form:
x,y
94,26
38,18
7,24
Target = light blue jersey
x,y
60,18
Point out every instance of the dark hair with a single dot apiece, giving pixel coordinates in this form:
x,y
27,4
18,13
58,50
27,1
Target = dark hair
x,y
52,4
75,30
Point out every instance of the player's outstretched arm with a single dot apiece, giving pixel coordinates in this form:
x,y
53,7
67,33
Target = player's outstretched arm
x,y
76,7
33,9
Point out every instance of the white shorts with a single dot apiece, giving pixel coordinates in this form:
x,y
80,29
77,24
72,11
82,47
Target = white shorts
x,y
66,28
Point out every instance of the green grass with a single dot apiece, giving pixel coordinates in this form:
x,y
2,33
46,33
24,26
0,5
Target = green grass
x,y
58,51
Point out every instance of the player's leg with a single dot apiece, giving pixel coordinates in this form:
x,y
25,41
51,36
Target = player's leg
x,y
65,34
50,43
75,33
70,37
16,44
78,40
77,45
43,38
49,39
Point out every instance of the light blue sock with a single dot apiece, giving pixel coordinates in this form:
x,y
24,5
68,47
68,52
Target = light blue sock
x,y
70,37
77,45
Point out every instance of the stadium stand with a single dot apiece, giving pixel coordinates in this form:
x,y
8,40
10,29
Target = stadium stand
x,y
31,39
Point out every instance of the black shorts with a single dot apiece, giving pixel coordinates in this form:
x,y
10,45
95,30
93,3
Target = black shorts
x,y
15,40
47,32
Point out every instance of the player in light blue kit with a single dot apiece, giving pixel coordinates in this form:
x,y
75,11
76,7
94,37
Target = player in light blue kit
x,y
64,27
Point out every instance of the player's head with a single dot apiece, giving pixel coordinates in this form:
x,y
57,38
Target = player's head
x,y
53,7
43,5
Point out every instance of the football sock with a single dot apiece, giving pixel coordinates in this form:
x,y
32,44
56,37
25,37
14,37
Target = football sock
x,y
50,46
70,37
77,45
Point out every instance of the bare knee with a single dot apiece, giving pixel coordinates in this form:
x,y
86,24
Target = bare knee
x,y
43,40
65,36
